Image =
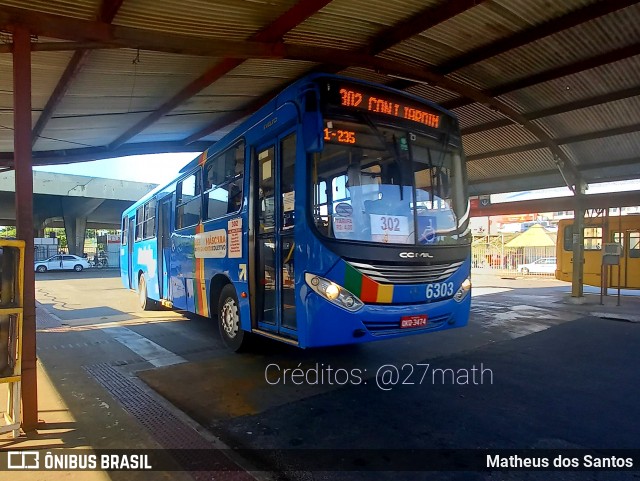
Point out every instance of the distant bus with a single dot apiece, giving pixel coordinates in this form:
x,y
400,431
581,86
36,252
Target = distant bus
x,y
337,213
623,230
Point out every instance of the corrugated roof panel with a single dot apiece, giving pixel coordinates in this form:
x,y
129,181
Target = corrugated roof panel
x,y
421,50
586,40
365,74
431,92
597,81
599,117
601,151
171,128
476,27
514,164
350,24
6,83
229,19
284,69
46,69
493,20
496,139
6,129
540,11
63,133
111,82
84,9
475,114
256,78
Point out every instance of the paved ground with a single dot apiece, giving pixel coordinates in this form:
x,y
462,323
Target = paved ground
x,y
555,376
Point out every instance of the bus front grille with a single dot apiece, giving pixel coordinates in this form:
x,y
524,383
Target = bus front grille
x,y
386,328
406,274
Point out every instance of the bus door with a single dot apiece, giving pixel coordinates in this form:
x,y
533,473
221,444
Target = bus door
x,y
274,218
164,246
629,260
130,241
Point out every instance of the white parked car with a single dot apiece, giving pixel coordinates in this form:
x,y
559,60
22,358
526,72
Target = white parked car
x,y
544,265
65,262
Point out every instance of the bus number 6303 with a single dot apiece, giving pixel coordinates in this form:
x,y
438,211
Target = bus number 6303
x,y
439,289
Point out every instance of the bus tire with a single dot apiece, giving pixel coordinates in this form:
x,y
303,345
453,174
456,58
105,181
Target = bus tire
x,y
229,320
146,303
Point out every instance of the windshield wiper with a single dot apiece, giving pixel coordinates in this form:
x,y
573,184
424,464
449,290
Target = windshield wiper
x,y
389,147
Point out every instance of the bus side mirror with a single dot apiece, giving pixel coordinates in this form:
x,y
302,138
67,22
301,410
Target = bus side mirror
x,y
312,136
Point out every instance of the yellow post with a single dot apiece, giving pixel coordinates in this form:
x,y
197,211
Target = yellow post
x,y
11,315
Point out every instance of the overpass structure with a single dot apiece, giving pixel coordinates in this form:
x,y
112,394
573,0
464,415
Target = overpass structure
x,y
74,201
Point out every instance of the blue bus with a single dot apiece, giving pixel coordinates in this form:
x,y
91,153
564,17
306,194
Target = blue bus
x,y
337,213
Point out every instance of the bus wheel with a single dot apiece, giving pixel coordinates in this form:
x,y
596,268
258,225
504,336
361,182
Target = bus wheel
x,y
229,320
146,303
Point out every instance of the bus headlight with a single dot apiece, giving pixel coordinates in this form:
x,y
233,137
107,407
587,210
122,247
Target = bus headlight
x,y
463,291
333,292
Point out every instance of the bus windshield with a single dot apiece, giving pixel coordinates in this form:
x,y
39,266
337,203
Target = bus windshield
x,y
380,184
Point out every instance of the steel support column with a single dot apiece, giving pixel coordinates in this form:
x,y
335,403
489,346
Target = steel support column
x,y
578,240
24,217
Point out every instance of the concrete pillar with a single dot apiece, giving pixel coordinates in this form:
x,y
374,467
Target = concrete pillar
x,y
76,229
74,213
577,280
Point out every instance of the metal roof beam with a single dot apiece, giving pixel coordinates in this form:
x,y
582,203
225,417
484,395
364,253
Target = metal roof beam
x,y
558,109
69,156
555,204
289,20
627,129
107,12
534,33
553,74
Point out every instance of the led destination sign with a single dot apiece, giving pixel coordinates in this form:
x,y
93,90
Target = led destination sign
x,y
380,102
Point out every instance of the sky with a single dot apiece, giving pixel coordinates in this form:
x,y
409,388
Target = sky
x,y
151,168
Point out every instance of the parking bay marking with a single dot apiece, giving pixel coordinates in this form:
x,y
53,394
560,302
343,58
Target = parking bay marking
x,y
143,347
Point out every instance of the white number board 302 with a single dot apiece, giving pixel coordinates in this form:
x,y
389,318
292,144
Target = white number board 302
x,y
389,224
439,289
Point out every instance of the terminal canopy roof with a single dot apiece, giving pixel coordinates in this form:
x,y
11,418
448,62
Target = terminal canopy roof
x,y
539,86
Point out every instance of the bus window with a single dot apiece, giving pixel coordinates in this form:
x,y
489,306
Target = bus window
x,y
320,209
223,180
266,190
592,238
125,231
188,201
145,221
615,237
568,238
149,227
287,179
634,245
139,222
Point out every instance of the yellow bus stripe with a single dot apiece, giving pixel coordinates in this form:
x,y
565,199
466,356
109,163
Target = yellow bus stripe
x,y
385,293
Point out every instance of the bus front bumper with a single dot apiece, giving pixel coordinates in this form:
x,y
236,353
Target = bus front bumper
x,y
329,324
